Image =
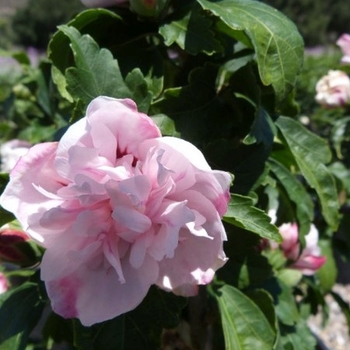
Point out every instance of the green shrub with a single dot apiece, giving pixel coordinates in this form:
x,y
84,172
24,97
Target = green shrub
x,y
34,24
319,22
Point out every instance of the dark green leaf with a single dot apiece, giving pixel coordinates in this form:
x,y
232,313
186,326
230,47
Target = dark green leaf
x,y
20,310
242,213
97,73
244,324
265,302
277,43
311,153
192,32
5,216
286,308
297,194
339,134
262,130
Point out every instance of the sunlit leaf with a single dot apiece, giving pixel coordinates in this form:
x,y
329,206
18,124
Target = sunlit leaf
x,y
277,43
311,153
244,324
242,213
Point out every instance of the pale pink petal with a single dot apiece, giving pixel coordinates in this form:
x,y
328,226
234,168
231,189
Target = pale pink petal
x,y
97,295
26,200
309,264
344,43
186,268
122,119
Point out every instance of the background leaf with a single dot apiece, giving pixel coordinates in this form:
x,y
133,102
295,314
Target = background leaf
x,y
297,194
311,153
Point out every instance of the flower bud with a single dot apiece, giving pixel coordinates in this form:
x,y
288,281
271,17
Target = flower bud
x,y
148,8
14,247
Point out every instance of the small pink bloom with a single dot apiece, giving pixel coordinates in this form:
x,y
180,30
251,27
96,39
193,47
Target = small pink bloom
x,y
4,286
308,261
333,89
344,43
102,3
119,208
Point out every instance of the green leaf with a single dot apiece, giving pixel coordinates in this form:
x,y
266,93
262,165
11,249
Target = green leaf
x,y
286,308
262,130
297,194
290,277
340,134
99,19
192,32
20,310
198,113
311,153
5,216
242,213
328,273
97,73
244,325
277,43
165,124
231,67
265,302
138,329
298,337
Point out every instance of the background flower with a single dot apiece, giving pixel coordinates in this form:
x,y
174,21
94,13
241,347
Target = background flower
x,y
119,208
344,43
333,89
309,260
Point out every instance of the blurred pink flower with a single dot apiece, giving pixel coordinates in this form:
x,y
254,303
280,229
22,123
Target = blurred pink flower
x,y
4,286
344,43
333,89
119,208
308,261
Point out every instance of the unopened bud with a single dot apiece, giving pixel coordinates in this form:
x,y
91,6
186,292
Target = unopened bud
x,y
148,8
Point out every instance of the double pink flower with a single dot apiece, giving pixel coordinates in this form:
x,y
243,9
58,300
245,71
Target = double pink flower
x,y
119,208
